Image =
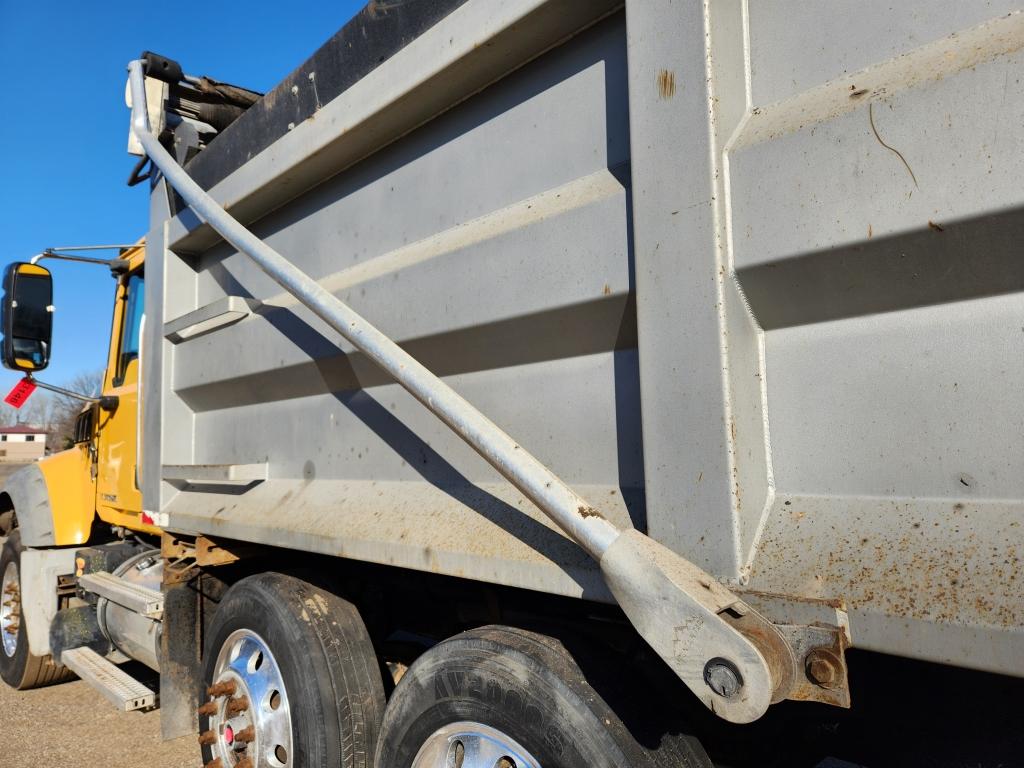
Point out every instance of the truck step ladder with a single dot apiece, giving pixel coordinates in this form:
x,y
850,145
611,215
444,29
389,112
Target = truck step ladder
x,y
148,602
118,686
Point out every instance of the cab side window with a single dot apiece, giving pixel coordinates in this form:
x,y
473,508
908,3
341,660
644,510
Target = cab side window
x,y
130,329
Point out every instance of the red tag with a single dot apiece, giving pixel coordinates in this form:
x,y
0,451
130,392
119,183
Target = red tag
x,y
18,396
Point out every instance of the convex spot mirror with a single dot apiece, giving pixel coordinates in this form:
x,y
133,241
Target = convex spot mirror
x,y
27,317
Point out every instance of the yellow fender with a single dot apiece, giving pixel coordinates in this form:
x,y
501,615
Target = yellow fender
x,y
53,499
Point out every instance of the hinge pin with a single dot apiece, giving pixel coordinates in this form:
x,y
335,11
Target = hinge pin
x,y
723,678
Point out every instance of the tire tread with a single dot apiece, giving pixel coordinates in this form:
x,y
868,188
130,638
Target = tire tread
x,y
38,671
339,655
551,677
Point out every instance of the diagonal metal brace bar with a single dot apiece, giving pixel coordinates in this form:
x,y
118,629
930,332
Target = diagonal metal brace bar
x,y
689,619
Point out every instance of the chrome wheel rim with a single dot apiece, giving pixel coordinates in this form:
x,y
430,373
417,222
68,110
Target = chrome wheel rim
x,y
472,745
246,660
10,609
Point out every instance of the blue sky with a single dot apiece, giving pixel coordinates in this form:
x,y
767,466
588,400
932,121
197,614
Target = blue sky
x,y
65,127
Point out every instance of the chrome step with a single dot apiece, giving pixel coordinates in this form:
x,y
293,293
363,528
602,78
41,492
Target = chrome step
x,y
148,602
118,686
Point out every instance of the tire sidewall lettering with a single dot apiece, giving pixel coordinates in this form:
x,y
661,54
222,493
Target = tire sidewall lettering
x,y
456,684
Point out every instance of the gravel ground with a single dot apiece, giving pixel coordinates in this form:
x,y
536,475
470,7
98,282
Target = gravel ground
x,y
72,725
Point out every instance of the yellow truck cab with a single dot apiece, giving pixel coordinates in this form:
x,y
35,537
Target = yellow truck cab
x,y
85,494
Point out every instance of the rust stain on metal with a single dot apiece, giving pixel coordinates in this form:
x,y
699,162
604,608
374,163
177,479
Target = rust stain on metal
x,y
174,548
823,667
930,565
666,83
825,675
819,639
773,648
222,551
586,512
937,227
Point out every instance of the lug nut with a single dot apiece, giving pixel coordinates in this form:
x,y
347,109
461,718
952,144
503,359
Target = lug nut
x,y
723,678
245,735
206,738
210,708
237,705
227,688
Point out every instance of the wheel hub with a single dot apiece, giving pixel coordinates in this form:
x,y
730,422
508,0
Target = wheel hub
x,y
10,609
472,745
250,720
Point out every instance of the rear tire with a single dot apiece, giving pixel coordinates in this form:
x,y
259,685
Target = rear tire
x,y
276,633
19,668
521,696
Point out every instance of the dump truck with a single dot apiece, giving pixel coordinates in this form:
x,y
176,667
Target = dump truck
x,y
547,383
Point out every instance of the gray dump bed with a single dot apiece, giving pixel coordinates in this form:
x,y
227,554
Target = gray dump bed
x,y
747,276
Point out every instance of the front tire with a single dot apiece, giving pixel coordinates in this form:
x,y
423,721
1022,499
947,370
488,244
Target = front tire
x,y
19,668
301,659
503,696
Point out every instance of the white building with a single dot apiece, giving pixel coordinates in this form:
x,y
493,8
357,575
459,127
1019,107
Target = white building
x,y
22,443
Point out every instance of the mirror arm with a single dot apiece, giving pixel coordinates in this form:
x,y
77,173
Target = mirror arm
x,y
117,266
106,402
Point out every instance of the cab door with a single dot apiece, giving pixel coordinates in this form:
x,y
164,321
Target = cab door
x,y
118,498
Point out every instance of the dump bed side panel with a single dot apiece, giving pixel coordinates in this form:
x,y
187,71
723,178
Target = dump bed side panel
x,y
493,243
757,297
874,227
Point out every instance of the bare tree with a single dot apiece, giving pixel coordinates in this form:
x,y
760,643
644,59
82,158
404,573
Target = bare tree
x,y
55,414
35,413
38,411
63,410
8,416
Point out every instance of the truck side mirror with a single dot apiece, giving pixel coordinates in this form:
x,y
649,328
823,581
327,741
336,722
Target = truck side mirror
x,y
27,317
